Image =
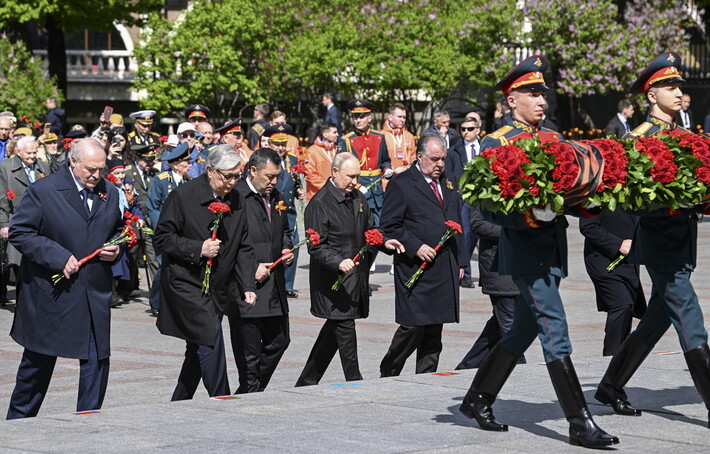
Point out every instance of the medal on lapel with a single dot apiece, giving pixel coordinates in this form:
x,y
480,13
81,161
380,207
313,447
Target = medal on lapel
x,y
449,185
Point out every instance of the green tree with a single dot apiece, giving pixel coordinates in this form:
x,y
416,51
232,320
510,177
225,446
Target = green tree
x,y
23,86
60,16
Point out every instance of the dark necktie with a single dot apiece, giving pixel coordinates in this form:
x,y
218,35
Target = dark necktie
x,y
435,186
349,201
86,194
267,207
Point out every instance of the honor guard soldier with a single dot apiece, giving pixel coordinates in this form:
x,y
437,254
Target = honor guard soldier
x,y
196,113
142,134
370,148
533,250
232,134
290,187
401,146
665,242
160,188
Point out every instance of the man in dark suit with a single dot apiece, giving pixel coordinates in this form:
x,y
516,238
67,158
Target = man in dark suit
x,y
332,114
666,243
442,126
61,219
619,124
619,293
16,174
260,333
340,215
417,203
289,185
183,235
684,117
456,159
533,250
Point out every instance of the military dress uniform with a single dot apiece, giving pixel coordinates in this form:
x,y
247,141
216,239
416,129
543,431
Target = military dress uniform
x,y
370,148
145,118
665,242
534,253
160,188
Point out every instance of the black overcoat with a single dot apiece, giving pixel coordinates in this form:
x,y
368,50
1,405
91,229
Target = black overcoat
x,y
269,238
342,233
488,234
183,226
603,235
412,214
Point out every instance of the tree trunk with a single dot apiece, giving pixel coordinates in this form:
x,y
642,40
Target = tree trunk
x,y
57,54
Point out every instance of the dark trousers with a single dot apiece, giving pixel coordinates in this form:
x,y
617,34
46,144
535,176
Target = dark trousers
x,y
673,301
335,335
493,332
539,312
290,270
426,340
470,239
258,345
617,328
35,373
154,295
205,363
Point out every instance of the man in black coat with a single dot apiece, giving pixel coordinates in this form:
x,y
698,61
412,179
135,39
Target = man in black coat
x,y
417,203
684,117
619,293
260,332
500,289
619,124
340,215
183,235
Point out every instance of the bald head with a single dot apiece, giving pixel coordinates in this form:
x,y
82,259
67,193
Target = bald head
x,y
6,127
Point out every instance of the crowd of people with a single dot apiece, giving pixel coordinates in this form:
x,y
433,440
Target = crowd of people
x,y
215,211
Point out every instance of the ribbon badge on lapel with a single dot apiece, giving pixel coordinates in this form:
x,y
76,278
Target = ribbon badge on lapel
x,y
102,195
449,185
361,208
41,175
280,207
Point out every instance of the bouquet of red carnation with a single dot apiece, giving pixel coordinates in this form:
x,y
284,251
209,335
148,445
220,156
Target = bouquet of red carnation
x,y
218,208
298,169
700,147
452,228
612,188
125,235
373,237
311,237
661,174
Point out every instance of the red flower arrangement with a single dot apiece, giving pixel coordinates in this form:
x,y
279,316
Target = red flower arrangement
x,y
664,169
311,237
373,237
507,166
218,208
612,187
452,228
700,148
566,168
125,235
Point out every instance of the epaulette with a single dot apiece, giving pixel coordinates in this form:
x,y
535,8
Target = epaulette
x,y
153,133
132,134
129,167
163,175
641,130
501,132
377,132
348,135
258,128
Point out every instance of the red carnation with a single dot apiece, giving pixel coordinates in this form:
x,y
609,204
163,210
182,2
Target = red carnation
x,y
219,207
112,178
38,126
313,237
127,214
11,194
455,226
374,237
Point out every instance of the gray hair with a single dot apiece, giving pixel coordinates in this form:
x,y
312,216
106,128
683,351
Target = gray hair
x,y
81,146
24,141
223,157
340,159
439,113
423,145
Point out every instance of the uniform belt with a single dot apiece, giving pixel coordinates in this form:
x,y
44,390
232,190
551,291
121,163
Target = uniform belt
x,y
370,173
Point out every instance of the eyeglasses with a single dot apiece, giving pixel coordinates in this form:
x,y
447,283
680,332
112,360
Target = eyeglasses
x,y
468,128
228,177
186,135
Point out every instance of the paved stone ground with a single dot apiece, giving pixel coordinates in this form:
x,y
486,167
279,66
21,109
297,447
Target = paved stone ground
x,y
411,413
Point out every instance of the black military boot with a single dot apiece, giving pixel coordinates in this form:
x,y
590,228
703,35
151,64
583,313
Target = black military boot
x,y
698,360
583,431
490,378
621,368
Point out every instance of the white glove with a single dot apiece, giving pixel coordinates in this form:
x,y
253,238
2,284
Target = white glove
x,y
544,214
388,174
362,189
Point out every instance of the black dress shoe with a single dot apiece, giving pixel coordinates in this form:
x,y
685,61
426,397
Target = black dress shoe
x,y
153,312
4,301
482,412
609,396
292,294
467,282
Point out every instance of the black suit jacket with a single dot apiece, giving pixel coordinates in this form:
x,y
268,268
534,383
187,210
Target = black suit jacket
x,y
183,226
616,127
679,119
456,159
412,214
269,238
